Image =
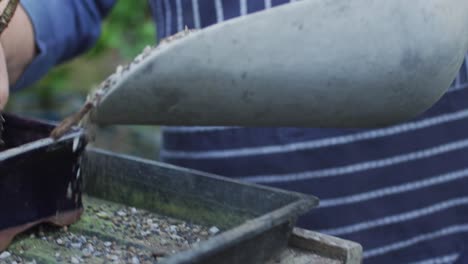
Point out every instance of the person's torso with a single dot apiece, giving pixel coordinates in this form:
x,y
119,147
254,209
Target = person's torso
x,y
173,16
400,191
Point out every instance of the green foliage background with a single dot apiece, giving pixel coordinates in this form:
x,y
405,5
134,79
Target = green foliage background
x,y
128,29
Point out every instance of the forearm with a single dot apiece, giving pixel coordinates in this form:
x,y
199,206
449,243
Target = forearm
x,y
60,30
18,43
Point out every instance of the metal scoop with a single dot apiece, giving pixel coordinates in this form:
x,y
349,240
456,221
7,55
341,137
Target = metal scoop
x,y
313,63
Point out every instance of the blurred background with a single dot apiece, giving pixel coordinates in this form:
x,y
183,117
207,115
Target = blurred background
x,y
126,31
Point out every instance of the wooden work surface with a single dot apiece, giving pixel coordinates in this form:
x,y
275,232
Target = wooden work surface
x,y
299,256
307,247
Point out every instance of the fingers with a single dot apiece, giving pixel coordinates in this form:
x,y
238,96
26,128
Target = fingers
x,y
4,83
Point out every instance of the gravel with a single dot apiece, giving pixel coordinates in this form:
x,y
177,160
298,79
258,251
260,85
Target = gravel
x,y
130,236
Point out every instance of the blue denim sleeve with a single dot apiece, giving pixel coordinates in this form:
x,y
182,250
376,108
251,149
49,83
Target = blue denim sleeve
x,y
63,29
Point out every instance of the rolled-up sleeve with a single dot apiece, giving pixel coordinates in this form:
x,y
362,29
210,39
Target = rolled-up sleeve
x,y
63,29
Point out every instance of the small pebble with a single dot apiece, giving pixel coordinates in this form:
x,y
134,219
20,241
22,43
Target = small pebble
x,y
107,244
176,238
86,252
76,245
138,59
119,69
74,260
59,241
158,253
145,233
133,210
147,49
90,248
214,230
135,260
103,215
173,229
5,255
131,249
121,213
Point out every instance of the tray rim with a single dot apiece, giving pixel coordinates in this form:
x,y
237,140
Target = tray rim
x,y
75,134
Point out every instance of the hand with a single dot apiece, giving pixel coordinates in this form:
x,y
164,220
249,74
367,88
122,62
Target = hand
x,y
17,50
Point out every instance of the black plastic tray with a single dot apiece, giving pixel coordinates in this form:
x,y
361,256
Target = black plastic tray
x,y
256,221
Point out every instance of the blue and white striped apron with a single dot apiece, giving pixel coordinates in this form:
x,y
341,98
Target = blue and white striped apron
x,y
400,191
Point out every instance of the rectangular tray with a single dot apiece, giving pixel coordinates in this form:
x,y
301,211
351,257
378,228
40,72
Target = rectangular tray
x,y
256,221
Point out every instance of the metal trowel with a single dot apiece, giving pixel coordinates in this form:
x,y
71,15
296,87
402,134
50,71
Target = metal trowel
x,y
313,63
